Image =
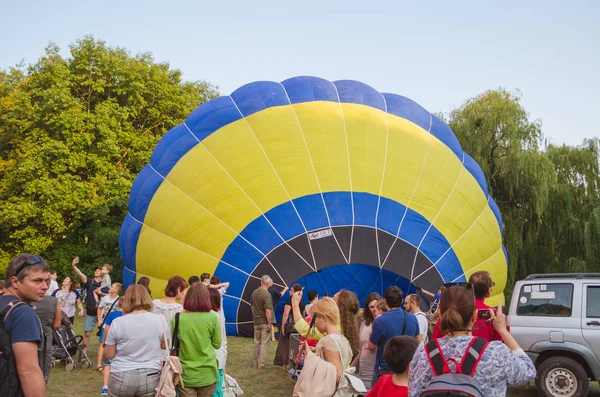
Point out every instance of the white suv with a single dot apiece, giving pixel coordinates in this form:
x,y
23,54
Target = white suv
x,y
556,320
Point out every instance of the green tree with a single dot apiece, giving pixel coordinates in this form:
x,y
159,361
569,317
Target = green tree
x,y
547,194
74,133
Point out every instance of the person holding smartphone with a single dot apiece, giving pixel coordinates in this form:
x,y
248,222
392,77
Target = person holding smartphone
x,y
482,288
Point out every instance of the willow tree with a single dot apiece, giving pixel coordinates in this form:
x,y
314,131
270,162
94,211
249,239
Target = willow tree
x,y
548,195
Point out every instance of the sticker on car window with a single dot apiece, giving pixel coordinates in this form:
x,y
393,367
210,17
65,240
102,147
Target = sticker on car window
x,y
528,289
535,288
523,299
543,287
543,295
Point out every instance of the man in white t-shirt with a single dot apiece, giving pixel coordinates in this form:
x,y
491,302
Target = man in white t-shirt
x,y
53,284
412,304
215,282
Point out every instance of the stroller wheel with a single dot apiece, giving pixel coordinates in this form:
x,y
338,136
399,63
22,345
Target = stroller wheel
x,y
69,367
85,364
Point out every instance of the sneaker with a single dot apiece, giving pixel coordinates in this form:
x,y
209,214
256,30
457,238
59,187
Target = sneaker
x,y
104,391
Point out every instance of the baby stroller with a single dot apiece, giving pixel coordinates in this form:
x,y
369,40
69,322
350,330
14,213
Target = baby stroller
x,y
66,345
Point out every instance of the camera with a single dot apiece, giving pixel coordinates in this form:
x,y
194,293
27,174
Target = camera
x,y
484,314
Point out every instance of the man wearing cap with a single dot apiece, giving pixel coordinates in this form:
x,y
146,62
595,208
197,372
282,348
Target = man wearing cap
x,y
90,284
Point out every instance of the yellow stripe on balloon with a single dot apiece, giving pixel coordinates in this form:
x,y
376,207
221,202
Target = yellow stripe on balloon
x,y
255,164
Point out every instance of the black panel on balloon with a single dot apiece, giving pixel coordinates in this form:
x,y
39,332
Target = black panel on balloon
x,y
326,250
364,246
431,277
386,241
343,236
301,246
327,253
246,330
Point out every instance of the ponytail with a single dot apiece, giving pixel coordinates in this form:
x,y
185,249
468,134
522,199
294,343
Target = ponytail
x,y
457,305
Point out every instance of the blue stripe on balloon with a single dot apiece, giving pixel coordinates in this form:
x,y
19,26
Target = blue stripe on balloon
x,y
211,116
496,211
128,237
351,91
171,148
407,109
309,89
260,233
414,226
339,207
285,220
394,212
441,131
261,95
472,166
143,189
227,273
365,209
311,211
242,255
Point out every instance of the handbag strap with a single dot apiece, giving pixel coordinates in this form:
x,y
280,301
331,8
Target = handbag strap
x,y
175,336
109,310
340,351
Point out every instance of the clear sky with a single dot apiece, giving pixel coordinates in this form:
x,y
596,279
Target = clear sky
x,y
438,53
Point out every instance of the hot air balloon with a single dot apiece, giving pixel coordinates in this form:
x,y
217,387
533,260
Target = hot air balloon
x,y
330,184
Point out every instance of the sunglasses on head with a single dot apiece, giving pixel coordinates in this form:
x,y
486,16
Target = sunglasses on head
x,y
463,284
33,260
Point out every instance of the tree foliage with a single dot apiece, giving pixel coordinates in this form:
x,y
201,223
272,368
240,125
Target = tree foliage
x,y
548,194
74,133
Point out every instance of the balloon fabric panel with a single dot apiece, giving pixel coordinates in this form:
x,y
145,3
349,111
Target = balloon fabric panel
x,y
331,184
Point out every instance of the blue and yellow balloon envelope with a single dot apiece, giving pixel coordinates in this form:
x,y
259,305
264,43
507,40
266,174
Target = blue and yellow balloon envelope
x,y
330,184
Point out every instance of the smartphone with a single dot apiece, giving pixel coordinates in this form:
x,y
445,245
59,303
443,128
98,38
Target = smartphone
x,y
483,314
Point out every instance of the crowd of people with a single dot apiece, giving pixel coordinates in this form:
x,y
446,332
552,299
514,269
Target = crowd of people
x,y
391,347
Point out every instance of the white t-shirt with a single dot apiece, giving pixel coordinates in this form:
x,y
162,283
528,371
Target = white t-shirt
x,y
106,303
137,337
221,352
423,325
67,301
168,311
53,287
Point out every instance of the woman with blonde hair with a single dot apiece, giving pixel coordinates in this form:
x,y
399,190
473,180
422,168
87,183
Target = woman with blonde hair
x,y
133,343
333,347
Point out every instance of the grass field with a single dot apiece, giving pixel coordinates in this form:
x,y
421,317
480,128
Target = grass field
x,y
271,382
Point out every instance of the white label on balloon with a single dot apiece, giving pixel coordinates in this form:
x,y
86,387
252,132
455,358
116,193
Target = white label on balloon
x,y
320,234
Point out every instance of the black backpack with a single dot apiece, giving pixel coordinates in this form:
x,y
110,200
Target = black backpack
x,y
460,383
10,384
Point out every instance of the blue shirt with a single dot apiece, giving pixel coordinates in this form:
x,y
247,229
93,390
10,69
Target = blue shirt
x,y
388,325
111,316
22,324
436,301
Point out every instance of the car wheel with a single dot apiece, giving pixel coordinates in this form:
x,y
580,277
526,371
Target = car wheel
x,y
561,377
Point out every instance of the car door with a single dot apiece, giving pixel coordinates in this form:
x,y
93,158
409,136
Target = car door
x,y
590,323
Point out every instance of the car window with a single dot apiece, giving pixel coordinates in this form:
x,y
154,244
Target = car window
x,y
545,300
592,299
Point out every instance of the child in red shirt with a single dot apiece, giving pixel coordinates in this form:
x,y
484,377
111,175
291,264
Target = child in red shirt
x,y
398,354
